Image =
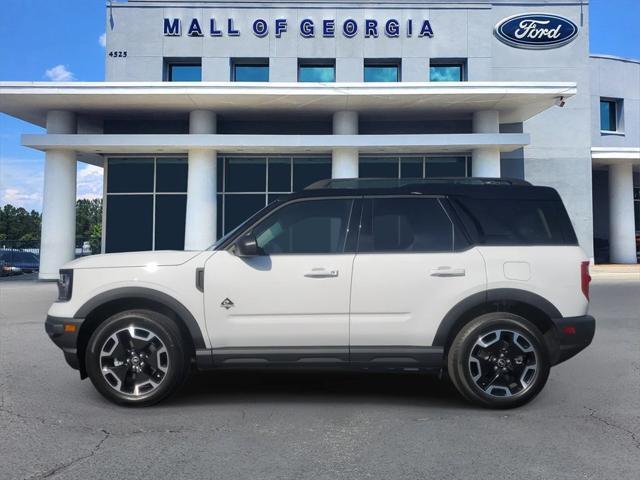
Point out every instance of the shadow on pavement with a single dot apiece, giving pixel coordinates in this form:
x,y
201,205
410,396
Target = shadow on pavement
x,y
317,387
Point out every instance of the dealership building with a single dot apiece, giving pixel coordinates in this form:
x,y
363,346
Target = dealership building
x,y
212,109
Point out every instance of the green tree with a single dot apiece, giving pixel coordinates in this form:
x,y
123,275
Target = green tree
x,y
89,222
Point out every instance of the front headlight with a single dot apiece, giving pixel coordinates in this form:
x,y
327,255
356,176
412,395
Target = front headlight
x,y
65,285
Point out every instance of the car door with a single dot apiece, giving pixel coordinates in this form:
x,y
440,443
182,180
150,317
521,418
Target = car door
x,y
292,300
407,274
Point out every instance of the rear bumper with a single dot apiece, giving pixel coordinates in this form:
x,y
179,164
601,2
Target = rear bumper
x,y
574,334
65,339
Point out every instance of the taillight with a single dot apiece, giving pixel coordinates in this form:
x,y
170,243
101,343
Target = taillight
x,y
585,278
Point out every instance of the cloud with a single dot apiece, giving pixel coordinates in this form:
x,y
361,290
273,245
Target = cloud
x,y
102,40
59,73
21,181
89,181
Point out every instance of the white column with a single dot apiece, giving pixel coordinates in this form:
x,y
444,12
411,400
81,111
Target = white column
x,y
58,233
200,224
486,160
344,162
622,241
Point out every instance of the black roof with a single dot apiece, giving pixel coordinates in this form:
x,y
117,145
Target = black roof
x,y
464,187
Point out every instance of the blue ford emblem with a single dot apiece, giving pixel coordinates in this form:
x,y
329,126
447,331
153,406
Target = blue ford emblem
x,y
536,31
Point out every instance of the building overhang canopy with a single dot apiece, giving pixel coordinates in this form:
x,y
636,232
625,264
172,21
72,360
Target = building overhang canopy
x,y
181,143
615,155
515,101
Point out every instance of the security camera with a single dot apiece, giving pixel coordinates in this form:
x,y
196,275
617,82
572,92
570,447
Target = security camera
x,y
560,102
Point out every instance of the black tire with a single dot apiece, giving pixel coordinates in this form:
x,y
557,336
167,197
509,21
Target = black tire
x,y
498,360
142,366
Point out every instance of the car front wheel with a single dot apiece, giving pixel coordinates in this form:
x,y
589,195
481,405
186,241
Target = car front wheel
x,y
499,360
137,357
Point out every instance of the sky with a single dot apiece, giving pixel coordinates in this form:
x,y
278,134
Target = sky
x,y
63,40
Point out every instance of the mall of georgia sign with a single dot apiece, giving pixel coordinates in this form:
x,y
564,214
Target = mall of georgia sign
x,y
536,31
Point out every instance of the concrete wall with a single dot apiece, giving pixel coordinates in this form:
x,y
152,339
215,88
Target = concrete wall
x,y
616,79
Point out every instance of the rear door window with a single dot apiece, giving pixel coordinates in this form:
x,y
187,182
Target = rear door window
x,y
405,225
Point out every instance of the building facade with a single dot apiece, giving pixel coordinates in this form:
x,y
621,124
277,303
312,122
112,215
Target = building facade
x,y
211,110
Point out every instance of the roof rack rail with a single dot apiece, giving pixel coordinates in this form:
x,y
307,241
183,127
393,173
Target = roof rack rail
x,y
355,183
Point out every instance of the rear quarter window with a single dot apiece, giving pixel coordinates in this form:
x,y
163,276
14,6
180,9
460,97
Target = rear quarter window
x,y
508,221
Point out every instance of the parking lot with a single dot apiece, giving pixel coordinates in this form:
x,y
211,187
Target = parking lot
x,y
585,424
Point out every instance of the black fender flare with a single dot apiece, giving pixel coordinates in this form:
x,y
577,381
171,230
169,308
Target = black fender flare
x,y
147,294
488,296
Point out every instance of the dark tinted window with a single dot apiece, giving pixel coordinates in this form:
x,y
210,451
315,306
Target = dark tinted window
x,y
381,73
405,225
445,167
129,223
309,170
608,115
279,175
184,72
373,167
511,221
237,208
246,175
312,226
250,72
170,221
129,175
171,175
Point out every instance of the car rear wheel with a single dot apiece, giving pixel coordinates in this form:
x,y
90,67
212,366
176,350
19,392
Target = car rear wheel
x,y
499,360
137,357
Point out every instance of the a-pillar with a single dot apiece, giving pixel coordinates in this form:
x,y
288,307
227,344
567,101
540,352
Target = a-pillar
x,y
485,161
344,162
200,224
58,233
622,231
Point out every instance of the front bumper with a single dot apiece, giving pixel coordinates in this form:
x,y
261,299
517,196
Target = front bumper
x,y
65,337
573,334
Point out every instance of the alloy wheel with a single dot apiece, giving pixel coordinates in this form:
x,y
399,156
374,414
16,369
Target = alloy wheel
x,y
503,363
134,361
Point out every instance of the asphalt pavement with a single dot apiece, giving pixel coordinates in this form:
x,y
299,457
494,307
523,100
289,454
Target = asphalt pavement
x,y
584,425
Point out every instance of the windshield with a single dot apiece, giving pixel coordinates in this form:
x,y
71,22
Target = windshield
x,y
252,219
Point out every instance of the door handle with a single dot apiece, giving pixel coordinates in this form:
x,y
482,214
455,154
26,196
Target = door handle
x,y
321,272
446,271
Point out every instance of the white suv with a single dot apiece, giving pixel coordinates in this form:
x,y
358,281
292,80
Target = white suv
x,y
478,278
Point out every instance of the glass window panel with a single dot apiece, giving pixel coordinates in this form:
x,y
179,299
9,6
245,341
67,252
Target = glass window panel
x,y
185,72
445,167
445,73
220,173
219,206
246,175
608,115
129,223
317,73
309,170
279,175
171,175
313,226
381,73
170,221
408,225
130,175
636,208
272,197
237,208
411,168
251,73
372,167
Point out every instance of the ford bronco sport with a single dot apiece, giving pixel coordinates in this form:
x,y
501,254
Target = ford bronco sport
x,y
480,279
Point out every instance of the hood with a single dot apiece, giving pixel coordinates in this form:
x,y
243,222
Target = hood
x,y
134,259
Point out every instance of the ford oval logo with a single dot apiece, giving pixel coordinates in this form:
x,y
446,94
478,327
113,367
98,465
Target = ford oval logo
x,y
536,31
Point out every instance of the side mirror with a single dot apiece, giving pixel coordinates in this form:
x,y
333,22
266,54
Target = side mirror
x,y
247,246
